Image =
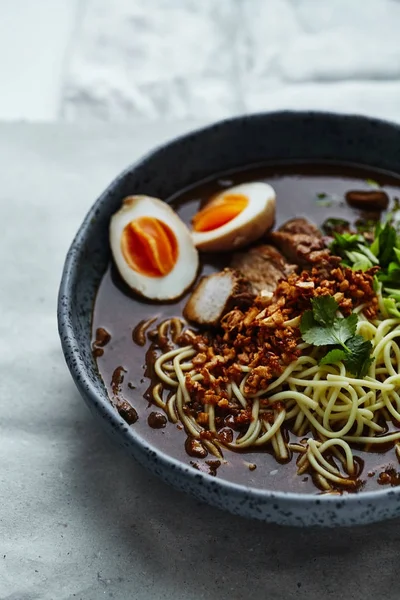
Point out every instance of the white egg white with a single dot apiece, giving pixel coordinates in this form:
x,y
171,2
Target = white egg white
x,y
248,226
183,273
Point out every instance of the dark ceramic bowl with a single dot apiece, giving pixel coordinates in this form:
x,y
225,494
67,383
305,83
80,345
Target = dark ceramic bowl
x,y
174,166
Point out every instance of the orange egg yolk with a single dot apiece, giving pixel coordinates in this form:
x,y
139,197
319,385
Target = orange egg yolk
x,y
218,212
149,247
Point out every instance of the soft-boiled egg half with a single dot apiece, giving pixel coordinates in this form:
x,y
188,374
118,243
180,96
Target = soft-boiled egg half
x,y
152,248
234,217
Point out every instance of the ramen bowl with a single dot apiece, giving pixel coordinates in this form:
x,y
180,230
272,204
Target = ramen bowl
x,y
271,138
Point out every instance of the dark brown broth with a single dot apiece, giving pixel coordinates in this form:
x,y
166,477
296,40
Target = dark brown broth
x,y
118,311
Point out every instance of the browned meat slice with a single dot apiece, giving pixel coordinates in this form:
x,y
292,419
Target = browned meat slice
x,y
217,294
263,266
300,225
301,242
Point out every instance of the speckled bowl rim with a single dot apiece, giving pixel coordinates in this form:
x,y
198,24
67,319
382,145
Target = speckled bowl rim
x,y
87,388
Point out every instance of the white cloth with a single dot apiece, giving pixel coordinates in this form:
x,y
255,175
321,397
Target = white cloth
x,y
79,519
211,59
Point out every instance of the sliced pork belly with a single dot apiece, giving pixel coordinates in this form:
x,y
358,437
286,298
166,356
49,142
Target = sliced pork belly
x,y
216,295
301,242
263,266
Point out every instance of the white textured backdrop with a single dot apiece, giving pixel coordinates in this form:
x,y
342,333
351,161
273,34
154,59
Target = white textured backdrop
x,y
214,58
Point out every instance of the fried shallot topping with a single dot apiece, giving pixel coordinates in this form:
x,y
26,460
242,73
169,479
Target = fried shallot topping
x,y
265,336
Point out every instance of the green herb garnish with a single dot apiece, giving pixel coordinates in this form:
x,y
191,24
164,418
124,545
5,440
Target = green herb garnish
x,y
391,307
346,241
365,225
353,249
322,327
384,252
324,199
326,202
333,224
372,183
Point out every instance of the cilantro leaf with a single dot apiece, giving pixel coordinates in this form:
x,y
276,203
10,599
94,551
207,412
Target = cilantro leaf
x,y
345,328
324,309
337,333
358,360
319,336
333,356
307,321
321,327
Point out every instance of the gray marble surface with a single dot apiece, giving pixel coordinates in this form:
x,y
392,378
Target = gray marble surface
x,y
115,60
212,59
79,519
